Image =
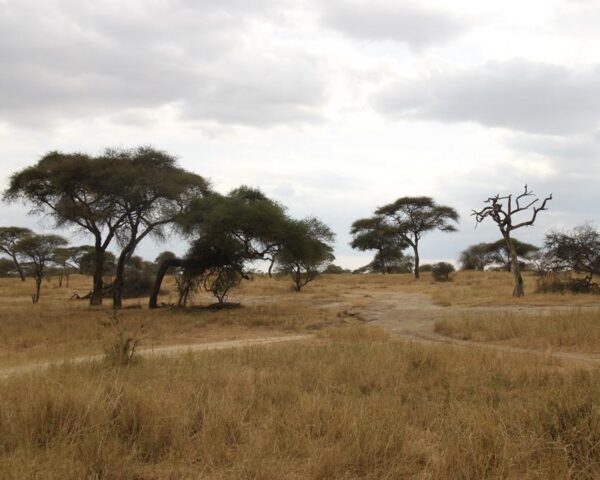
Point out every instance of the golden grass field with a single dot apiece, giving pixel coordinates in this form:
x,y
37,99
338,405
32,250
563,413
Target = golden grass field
x,y
352,401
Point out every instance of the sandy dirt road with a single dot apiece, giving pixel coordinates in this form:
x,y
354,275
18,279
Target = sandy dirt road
x,y
158,351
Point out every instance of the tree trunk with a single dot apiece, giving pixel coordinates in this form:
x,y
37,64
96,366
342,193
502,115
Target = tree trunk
x,y
19,268
38,283
160,274
271,266
119,280
519,290
416,250
96,297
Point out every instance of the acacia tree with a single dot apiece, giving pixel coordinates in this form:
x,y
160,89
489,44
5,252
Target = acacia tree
x,y
375,234
123,194
245,219
39,249
503,211
76,190
482,255
306,250
152,192
501,254
412,217
9,237
476,257
577,250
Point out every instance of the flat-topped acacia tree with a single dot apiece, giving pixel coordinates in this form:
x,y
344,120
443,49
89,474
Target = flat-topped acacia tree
x,y
39,250
76,190
503,211
9,237
375,234
412,217
122,194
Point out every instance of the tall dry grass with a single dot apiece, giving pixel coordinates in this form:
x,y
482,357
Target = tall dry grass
x,y
360,406
565,330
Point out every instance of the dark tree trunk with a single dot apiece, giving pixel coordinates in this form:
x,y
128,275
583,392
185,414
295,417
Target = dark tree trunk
x,y
518,290
119,281
271,267
417,272
160,274
38,284
19,268
96,297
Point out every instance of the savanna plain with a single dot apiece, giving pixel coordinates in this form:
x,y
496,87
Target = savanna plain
x,y
357,376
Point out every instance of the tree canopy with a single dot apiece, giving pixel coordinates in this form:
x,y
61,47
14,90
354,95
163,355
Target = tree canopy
x,y
412,217
9,237
123,194
306,250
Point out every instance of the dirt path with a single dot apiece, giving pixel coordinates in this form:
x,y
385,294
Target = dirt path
x,y
157,351
412,316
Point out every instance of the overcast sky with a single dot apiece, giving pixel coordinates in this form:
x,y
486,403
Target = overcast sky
x,y
333,107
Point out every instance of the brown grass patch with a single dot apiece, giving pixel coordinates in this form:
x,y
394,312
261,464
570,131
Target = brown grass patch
x,y
348,409
569,331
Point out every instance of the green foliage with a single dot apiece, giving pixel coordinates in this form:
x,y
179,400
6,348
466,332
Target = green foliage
x,y
500,254
441,271
414,216
306,250
122,194
38,249
9,237
333,269
577,250
375,234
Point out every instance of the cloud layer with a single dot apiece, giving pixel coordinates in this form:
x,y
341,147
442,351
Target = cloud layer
x,y
518,95
71,59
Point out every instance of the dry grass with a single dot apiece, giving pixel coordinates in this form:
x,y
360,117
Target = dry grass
x,y
569,330
61,328
352,408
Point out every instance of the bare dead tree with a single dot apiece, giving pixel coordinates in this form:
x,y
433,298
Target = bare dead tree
x,y
503,211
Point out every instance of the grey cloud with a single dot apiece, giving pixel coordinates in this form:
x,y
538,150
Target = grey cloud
x,y
71,59
519,95
408,23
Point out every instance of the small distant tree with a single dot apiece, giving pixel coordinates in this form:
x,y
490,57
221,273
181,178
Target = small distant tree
x,y
39,249
61,257
333,269
577,250
306,251
7,268
414,216
500,254
375,234
9,237
503,211
441,271
477,257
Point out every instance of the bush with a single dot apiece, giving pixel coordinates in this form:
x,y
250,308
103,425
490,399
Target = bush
x,y
441,271
562,282
427,267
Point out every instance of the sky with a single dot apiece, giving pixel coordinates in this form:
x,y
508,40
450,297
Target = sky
x,y
332,107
